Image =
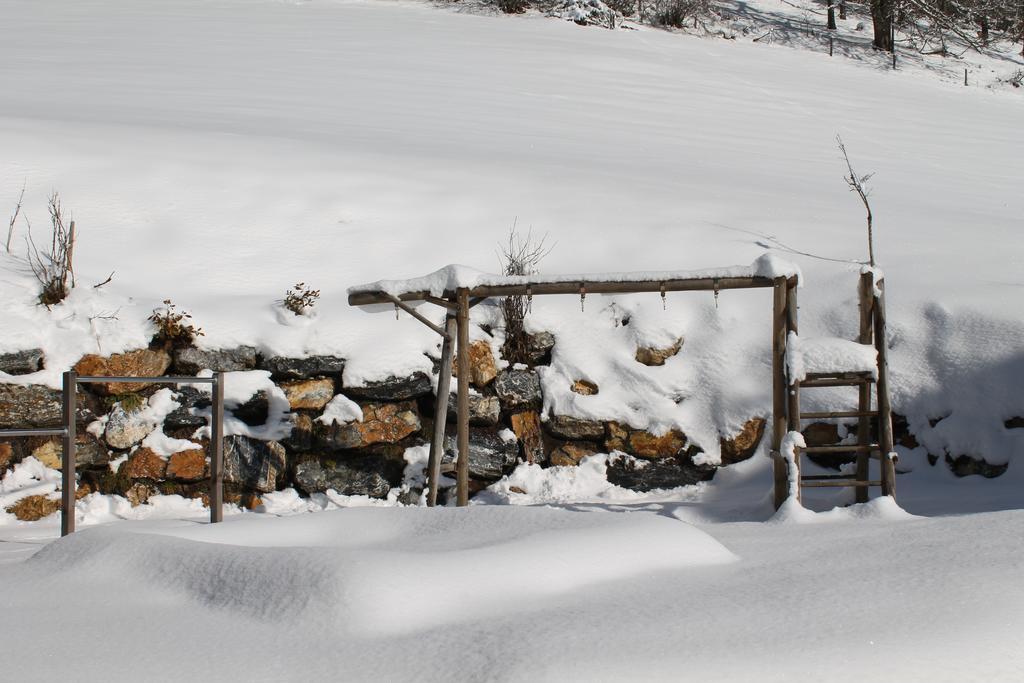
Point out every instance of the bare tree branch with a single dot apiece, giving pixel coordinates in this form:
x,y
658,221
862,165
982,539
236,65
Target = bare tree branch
x,y
857,184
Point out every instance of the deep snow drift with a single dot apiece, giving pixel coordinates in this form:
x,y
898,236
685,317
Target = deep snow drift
x,y
502,593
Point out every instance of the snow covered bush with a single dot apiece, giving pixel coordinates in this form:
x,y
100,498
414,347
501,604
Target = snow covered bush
x,y
675,13
300,300
586,13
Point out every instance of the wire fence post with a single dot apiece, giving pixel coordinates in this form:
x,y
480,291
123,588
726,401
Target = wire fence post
x,y
217,450
67,496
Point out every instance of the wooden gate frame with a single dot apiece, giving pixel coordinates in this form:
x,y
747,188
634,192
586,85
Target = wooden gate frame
x,y
456,332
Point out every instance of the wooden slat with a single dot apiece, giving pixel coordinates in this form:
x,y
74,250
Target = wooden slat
x,y
841,448
849,483
857,374
462,359
825,477
834,414
852,382
444,380
628,287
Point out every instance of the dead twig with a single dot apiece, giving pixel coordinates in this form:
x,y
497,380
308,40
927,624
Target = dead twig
x,y
107,281
14,217
857,184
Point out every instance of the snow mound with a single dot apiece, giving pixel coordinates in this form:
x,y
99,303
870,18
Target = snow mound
x,y
382,571
806,355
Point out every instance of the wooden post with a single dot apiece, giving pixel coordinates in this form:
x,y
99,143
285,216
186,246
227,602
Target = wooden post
x,y
67,474
779,390
867,302
462,352
444,382
885,440
217,450
793,388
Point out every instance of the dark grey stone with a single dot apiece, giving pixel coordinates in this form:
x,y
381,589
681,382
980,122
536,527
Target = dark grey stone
x,y
282,367
365,477
665,473
483,410
22,362
32,405
189,361
538,347
393,388
255,411
253,464
301,437
965,466
490,457
573,428
89,451
518,389
181,417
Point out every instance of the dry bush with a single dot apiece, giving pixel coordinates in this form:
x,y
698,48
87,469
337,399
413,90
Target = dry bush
x,y
54,267
300,300
512,6
174,328
519,256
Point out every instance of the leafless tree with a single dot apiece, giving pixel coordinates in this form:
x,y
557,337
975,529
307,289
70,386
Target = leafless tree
x,y
858,184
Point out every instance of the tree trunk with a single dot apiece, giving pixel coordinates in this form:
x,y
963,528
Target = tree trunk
x,y
831,25
842,9
881,19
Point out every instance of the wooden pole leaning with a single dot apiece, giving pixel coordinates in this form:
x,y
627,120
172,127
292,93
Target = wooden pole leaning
x,y
781,480
885,438
444,383
793,385
217,450
462,359
67,475
866,297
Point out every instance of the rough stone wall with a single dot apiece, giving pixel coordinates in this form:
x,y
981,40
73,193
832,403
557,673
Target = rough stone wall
x,y
358,457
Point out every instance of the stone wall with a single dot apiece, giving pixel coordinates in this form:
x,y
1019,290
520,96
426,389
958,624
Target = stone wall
x,y
352,457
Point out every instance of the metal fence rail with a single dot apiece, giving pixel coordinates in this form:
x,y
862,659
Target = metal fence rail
x,y
68,432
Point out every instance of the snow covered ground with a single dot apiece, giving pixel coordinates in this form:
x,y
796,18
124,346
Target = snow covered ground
x,y
502,593
218,151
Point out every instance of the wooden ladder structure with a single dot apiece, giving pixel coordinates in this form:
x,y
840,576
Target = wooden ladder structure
x,y
873,440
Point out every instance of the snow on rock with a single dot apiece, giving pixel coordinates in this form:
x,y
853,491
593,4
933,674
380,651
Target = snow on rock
x,y
341,410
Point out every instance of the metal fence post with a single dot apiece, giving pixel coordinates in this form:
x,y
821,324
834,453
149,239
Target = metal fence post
x,y
217,450
67,498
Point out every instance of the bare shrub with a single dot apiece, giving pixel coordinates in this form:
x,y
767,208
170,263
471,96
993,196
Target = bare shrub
x,y
858,184
512,6
174,328
626,8
54,267
675,13
300,300
519,256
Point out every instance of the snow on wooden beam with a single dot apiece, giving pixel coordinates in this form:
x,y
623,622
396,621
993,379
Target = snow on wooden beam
x,y
361,298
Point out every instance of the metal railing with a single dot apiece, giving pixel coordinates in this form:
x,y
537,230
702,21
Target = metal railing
x,y
68,432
